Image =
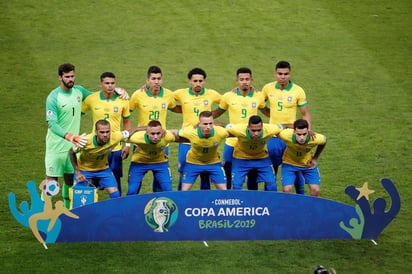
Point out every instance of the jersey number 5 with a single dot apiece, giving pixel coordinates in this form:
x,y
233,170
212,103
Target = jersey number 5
x,y
280,106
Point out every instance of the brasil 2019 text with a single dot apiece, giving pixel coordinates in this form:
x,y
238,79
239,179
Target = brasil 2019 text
x,y
236,224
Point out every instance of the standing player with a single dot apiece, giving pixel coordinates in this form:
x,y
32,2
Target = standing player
x,y
150,156
63,110
193,101
107,105
250,152
152,103
240,105
299,158
285,98
203,157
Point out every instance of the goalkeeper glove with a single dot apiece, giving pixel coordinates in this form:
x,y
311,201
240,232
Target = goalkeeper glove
x,y
79,141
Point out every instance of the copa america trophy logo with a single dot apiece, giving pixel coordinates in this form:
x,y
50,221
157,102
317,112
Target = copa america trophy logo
x,y
160,214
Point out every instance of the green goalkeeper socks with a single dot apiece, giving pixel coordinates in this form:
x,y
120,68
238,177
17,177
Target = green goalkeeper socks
x,y
65,195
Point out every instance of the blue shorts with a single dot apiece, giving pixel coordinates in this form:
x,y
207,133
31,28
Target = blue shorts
x,y
227,153
215,171
103,178
241,167
181,156
276,147
116,163
161,173
166,150
290,172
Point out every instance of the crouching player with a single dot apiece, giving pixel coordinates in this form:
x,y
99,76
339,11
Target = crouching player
x,y
299,157
250,152
150,155
203,157
91,162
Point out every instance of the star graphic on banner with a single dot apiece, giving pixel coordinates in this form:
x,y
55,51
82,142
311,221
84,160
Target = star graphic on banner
x,y
364,191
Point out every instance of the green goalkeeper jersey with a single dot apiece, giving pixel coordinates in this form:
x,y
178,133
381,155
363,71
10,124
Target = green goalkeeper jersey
x,y
63,111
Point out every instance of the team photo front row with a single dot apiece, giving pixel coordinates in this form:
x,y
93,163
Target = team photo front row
x,y
90,156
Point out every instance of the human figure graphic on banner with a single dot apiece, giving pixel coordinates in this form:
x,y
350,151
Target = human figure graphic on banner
x,y
48,213
372,218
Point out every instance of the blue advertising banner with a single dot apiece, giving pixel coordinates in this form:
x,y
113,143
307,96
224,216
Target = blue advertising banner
x,y
209,215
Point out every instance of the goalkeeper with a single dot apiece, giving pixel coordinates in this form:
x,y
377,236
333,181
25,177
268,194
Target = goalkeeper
x,y
63,111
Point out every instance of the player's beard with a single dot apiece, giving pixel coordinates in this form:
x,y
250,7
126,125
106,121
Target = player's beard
x,y
283,83
103,140
69,84
197,89
245,88
206,133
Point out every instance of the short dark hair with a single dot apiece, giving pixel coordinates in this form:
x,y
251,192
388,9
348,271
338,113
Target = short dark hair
x,y
206,113
300,124
243,70
283,65
196,71
254,120
65,68
107,74
154,123
102,122
153,69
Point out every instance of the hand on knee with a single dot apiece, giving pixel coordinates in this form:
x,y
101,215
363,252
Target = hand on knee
x,y
315,192
221,186
110,190
186,186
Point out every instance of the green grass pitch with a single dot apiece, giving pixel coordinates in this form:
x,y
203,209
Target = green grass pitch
x,y
351,57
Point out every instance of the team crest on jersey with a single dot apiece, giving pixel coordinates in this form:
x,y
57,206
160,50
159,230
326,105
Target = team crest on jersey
x,y
290,98
215,144
253,104
205,102
116,109
79,99
163,106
